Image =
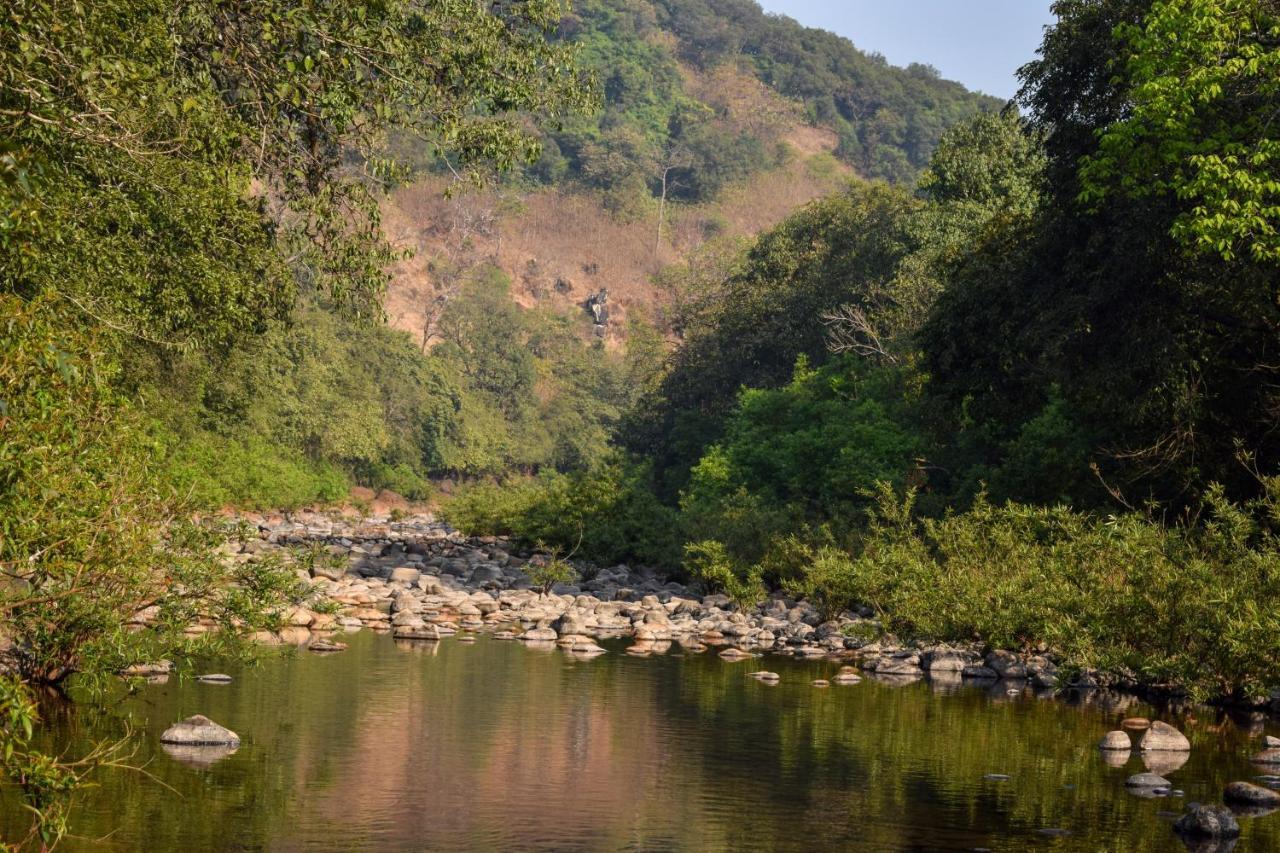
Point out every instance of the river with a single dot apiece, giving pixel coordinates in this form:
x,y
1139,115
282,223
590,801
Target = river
x,y
493,746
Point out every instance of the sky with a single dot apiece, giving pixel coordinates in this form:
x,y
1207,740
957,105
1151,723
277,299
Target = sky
x,y
980,43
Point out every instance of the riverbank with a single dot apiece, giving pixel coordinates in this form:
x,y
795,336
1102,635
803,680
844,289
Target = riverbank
x,y
419,579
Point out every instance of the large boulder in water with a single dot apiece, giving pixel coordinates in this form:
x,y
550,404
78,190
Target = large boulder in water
x,y
1208,822
1162,737
1116,740
1249,794
199,731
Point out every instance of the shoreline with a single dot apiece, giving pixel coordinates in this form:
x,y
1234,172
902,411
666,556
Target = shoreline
x,y
419,579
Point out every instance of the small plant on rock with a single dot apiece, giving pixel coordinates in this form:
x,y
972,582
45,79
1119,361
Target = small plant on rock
x,y
551,571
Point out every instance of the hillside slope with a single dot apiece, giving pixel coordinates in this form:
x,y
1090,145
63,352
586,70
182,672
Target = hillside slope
x,y
718,121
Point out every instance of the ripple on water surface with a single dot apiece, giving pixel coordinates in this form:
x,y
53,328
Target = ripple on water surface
x,y
497,747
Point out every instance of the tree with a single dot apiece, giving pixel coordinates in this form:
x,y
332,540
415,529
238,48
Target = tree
x,y
1205,78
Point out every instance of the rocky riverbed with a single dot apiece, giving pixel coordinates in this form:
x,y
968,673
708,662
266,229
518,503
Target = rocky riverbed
x,y
421,580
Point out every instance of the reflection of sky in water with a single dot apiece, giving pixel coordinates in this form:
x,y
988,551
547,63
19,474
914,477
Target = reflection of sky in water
x,y
494,746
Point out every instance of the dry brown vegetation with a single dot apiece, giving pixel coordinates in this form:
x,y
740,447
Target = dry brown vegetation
x,y
559,247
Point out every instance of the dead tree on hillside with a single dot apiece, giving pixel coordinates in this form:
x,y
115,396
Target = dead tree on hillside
x,y
850,330
673,157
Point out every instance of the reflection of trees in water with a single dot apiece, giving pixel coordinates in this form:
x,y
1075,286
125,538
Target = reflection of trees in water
x,y
456,747
905,766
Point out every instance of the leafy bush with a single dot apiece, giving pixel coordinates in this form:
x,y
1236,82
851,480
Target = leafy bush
x,y
89,534
1191,606
216,471
609,514
709,561
547,573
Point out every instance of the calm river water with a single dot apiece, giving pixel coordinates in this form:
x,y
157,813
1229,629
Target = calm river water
x,y
497,747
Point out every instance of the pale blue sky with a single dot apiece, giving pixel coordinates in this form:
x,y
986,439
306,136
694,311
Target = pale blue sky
x,y
981,43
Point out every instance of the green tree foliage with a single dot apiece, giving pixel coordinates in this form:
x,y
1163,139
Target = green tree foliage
x,y
1171,604
608,514
709,561
1160,355
89,535
1205,77
888,119
171,178
811,448
753,326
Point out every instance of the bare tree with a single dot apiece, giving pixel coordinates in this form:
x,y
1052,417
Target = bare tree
x,y
673,157
849,330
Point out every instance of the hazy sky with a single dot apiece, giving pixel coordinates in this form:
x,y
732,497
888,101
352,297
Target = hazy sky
x,y
981,43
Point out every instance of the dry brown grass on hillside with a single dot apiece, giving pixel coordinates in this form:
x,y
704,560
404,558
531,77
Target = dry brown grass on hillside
x,y
558,248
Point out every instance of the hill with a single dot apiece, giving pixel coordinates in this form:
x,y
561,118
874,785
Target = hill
x,y
718,121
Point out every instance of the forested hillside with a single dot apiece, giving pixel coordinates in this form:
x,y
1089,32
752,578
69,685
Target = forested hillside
x,y
716,122
1029,402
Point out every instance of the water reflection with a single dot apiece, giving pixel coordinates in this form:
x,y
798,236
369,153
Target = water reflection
x,y
422,745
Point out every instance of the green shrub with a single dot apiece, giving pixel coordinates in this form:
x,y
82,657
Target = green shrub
x,y
1197,607
215,471
709,561
609,514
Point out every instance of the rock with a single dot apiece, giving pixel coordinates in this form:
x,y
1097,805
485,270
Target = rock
x,y
899,663
846,678
733,654
539,635
333,573
146,670
1147,780
1207,822
326,646
1135,724
765,675
299,617
974,671
485,573
405,574
820,682
1006,664
946,660
1116,741
1270,742
1249,794
1162,737
418,632
214,678
407,619
1267,756
199,731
